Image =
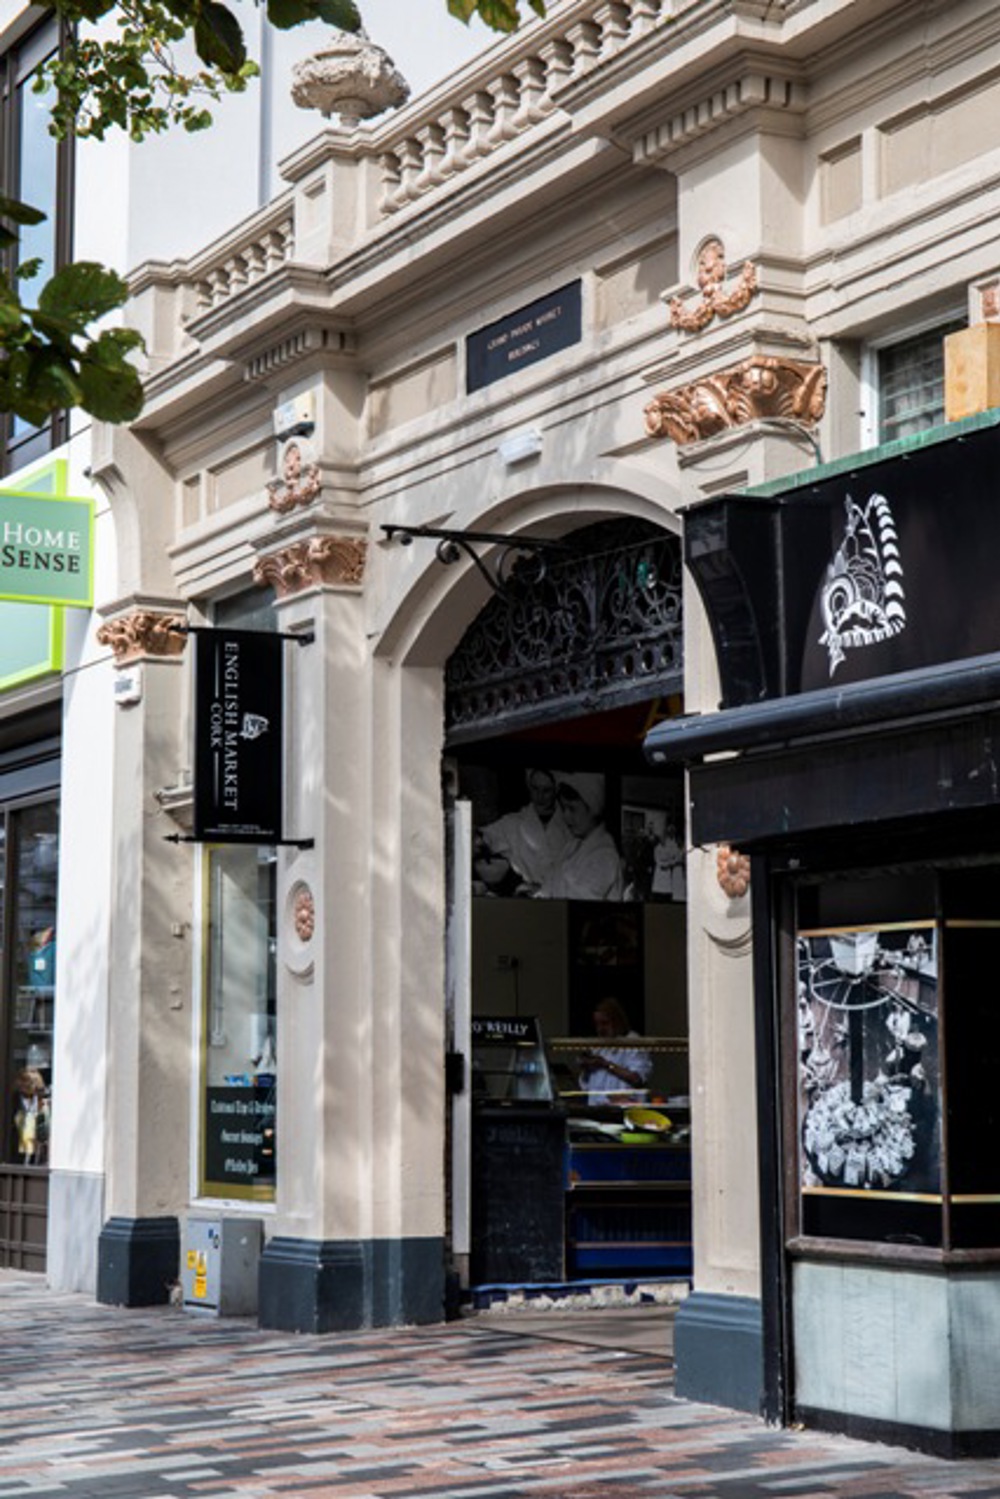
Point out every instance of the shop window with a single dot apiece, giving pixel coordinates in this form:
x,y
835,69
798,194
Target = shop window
x,y
29,859
239,1017
35,167
897,1050
910,383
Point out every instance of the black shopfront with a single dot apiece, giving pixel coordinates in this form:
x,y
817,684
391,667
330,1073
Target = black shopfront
x,y
856,758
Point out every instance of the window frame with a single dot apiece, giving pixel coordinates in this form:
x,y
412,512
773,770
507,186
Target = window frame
x,y
17,62
871,404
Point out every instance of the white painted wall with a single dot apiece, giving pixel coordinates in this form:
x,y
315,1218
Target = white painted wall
x,y
175,193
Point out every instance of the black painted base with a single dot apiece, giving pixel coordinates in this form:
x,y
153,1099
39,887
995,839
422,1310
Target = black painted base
x,y
138,1261
952,1444
316,1286
718,1348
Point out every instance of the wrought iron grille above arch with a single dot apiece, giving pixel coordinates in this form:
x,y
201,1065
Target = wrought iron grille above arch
x,y
601,628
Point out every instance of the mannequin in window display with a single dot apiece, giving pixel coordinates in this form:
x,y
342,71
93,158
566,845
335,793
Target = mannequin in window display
x,y
590,867
42,959
516,854
31,1116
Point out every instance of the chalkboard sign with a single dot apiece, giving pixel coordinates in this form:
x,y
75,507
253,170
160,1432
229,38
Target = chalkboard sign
x,y
517,1196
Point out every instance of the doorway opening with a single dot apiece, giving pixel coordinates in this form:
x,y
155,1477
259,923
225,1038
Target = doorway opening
x,y
572,1110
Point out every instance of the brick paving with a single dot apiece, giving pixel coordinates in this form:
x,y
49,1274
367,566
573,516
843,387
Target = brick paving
x,y
160,1404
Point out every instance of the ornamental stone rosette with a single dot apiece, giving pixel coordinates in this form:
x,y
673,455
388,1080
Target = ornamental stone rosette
x,y
732,871
351,77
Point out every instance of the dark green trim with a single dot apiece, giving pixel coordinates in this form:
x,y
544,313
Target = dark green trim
x,y
718,1349
138,1261
317,1286
898,449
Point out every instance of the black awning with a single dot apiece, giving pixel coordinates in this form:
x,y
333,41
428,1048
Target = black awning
x,y
885,704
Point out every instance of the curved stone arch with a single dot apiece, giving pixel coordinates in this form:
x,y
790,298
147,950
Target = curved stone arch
x,y
427,619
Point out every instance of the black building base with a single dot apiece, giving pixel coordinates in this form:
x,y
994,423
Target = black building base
x,y
949,1444
317,1286
718,1348
138,1261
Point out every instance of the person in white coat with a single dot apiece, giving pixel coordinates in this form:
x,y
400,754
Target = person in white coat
x,y
532,840
590,867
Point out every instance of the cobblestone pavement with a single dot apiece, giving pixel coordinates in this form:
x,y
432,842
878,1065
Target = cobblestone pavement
x,y
161,1404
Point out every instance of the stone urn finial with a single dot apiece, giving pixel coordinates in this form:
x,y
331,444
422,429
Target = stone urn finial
x,y
351,77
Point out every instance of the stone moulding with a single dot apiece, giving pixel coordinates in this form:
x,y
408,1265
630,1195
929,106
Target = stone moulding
x,y
761,387
144,633
330,560
715,300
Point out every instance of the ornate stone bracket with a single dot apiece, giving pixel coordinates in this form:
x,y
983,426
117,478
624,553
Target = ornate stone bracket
x,y
715,300
732,871
143,633
762,387
338,560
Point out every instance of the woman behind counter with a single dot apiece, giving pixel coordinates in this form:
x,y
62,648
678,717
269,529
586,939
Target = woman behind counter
x,y
614,1074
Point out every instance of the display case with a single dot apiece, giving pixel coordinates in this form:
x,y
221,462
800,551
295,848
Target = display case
x,y
509,1064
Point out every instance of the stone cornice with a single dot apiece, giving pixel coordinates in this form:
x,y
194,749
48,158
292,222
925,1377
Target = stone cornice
x,y
758,89
319,561
763,387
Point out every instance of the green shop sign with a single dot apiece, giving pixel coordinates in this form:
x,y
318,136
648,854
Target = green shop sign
x,y
46,549
32,635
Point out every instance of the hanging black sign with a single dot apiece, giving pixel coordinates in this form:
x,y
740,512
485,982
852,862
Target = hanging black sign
x,y
239,733
884,566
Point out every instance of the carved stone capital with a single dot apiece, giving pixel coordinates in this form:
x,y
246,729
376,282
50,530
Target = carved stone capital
x,y
332,560
715,300
732,871
763,386
143,633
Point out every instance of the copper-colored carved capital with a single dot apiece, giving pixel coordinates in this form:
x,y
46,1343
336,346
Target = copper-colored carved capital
x,y
334,560
143,632
732,871
761,387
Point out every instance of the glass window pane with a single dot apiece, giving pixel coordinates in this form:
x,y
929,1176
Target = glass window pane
x,y
35,870
911,384
238,1141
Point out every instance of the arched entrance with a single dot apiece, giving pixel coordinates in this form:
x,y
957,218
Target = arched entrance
x,y
568,875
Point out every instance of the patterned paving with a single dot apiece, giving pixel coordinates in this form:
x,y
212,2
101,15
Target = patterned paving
x,y
160,1404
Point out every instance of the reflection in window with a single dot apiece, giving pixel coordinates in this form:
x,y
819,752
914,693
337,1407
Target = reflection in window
x,y
35,168
239,1060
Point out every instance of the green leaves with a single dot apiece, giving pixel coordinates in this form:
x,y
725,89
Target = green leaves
x,y
499,15
49,359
